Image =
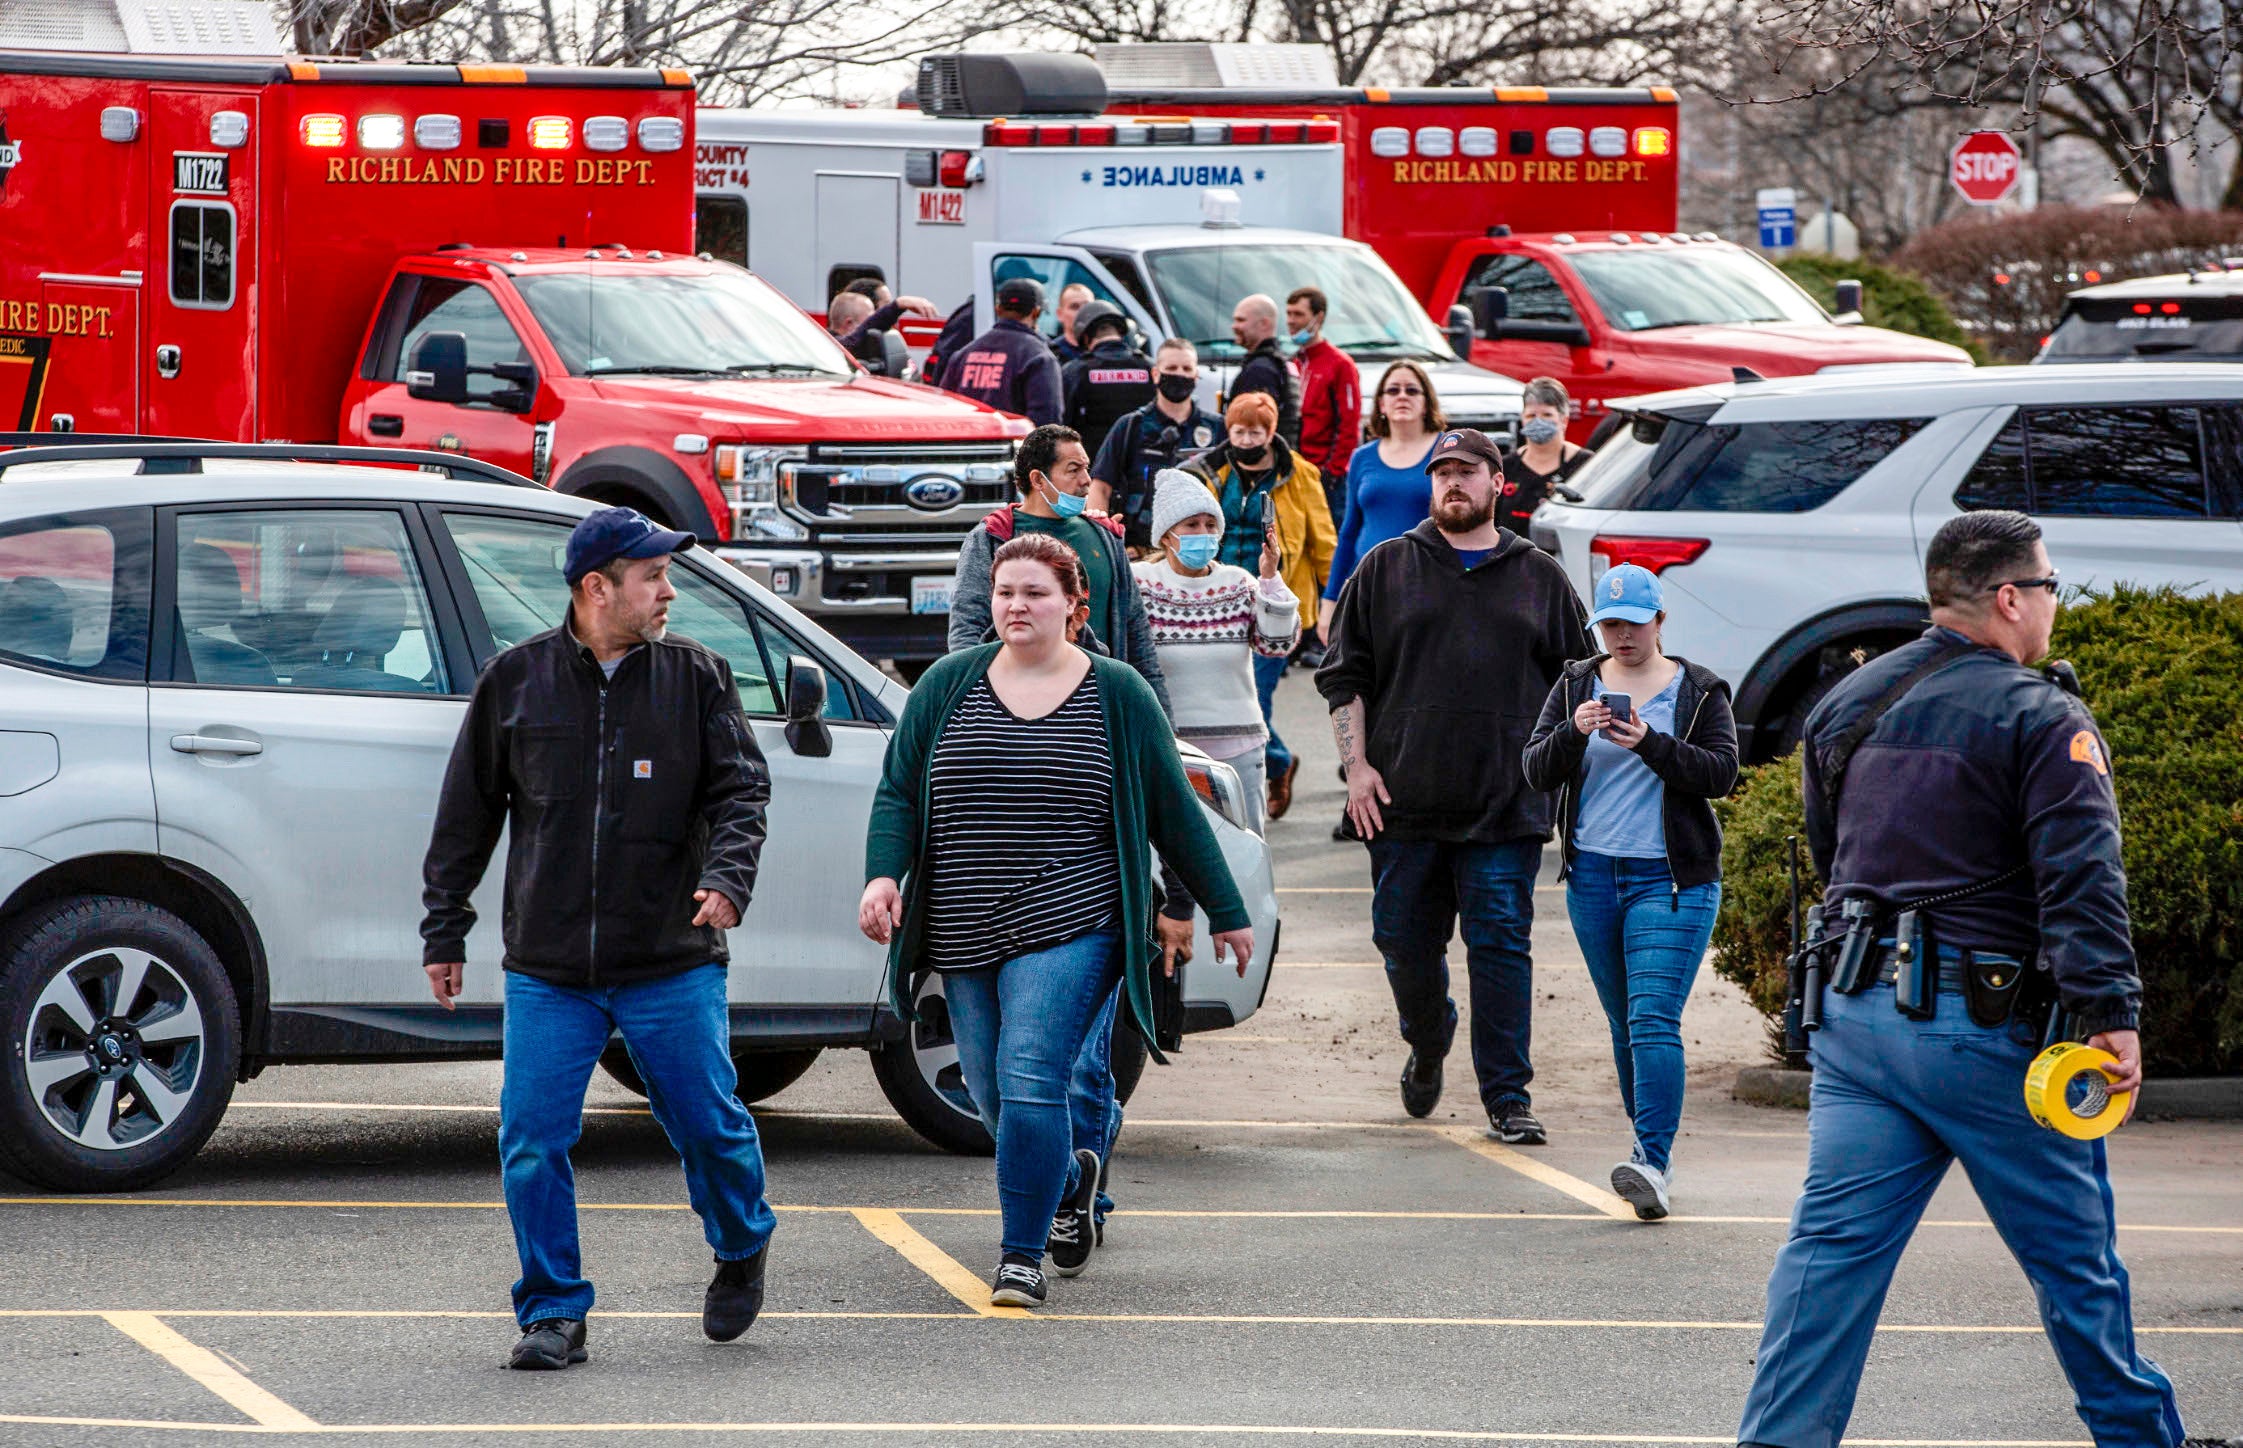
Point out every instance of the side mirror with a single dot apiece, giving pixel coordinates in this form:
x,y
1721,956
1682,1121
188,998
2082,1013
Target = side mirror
x,y
437,370
1849,300
895,356
1490,307
808,734
1459,330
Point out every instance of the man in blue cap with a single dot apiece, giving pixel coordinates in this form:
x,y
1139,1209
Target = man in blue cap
x,y
622,763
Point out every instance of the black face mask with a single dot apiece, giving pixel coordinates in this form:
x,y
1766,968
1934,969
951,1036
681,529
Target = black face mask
x,y
1177,388
1255,460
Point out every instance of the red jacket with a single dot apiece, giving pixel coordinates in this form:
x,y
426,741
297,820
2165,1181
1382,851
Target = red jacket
x,y
1331,406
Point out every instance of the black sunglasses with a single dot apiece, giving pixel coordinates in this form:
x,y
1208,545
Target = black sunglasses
x,y
2048,583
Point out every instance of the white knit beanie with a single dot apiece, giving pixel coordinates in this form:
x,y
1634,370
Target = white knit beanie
x,y
1178,495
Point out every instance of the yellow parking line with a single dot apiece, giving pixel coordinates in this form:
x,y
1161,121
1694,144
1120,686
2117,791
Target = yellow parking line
x,y
207,1368
1472,1139
949,1274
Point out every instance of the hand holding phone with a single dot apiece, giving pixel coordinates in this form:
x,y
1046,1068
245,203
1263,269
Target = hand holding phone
x,y
1621,705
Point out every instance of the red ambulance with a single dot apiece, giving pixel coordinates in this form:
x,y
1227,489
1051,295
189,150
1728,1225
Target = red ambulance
x,y
489,259
1550,217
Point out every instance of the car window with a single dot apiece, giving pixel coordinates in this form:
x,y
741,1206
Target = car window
x,y
1778,467
1055,274
720,227
302,599
1124,269
1535,294
2107,462
1372,315
444,305
74,592
2223,444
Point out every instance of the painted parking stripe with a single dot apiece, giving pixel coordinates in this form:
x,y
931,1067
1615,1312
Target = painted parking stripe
x,y
210,1370
1474,1140
949,1274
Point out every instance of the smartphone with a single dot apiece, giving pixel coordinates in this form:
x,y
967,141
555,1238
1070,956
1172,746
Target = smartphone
x,y
1621,706
1261,512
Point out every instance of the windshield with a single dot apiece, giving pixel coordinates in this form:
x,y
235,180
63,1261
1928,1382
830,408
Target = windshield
x,y
649,322
1640,291
2186,329
1372,314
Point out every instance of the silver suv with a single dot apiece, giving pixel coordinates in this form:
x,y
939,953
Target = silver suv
x,y
233,675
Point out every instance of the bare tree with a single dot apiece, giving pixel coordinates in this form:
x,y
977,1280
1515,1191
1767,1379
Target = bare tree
x,y
354,27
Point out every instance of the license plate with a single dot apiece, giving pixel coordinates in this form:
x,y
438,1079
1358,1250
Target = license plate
x,y
930,595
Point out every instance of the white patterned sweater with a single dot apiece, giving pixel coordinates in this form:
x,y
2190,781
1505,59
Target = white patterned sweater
x,y
1207,631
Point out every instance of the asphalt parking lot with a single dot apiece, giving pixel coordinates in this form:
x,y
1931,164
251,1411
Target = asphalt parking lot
x,y
1295,1259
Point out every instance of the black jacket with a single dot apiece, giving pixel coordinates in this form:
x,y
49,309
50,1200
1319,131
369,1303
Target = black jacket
x,y
1697,764
1985,765
622,798
1103,386
1453,667
1266,370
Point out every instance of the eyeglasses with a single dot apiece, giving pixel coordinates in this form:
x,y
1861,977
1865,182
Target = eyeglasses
x,y
1401,392
2048,583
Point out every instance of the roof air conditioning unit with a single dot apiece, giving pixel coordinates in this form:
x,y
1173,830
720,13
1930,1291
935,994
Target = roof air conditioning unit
x,y
983,86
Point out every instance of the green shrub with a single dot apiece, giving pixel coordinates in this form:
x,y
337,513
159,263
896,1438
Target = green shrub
x,y
2164,674
1890,297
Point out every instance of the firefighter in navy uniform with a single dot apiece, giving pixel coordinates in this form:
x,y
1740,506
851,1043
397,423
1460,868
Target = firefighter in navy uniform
x,y
1960,803
1109,381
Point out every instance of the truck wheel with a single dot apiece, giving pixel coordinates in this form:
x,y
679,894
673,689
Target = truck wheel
x,y
762,1073
920,1077
122,1039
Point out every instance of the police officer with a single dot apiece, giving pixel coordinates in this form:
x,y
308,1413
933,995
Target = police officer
x,y
1161,434
1110,380
1947,770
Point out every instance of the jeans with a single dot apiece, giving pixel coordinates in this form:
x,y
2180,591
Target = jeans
x,y
1418,890
679,1037
1643,941
1094,1117
1020,1027
1276,758
1893,1102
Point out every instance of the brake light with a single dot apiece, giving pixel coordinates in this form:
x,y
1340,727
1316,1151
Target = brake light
x,y
2141,309
1322,130
323,130
1652,553
951,169
2170,309
550,133
1654,141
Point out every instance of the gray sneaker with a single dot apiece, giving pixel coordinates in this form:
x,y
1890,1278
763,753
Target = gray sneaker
x,y
1514,1125
1644,1187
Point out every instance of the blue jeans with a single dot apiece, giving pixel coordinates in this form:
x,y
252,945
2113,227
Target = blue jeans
x,y
1094,1116
1276,758
1643,940
1419,888
680,1040
1894,1101
1020,1027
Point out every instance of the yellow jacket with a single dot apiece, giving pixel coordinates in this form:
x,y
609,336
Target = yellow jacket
x,y
1306,534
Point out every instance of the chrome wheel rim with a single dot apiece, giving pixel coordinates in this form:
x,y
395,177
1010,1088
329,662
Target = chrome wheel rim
x,y
934,1050
114,1049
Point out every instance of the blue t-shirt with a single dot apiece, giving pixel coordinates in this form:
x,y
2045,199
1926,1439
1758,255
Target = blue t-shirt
x,y
1621,799
1473,557
1382,503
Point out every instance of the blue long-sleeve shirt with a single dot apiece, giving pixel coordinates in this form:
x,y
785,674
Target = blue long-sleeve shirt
x,y
1382,502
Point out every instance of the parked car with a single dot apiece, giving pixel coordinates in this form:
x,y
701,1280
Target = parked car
x,y
1788,518
2186,317
233,676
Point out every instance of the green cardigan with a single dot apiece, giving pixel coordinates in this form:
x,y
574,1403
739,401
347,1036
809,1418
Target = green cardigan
x,y
1154,803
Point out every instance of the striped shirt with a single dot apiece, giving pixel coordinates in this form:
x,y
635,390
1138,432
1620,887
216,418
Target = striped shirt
x,y
1020,841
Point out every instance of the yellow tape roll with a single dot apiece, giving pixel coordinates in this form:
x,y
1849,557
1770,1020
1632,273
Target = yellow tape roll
x,y
2063,1102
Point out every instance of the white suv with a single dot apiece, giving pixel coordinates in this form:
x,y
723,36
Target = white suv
x,y
232,676
1787,519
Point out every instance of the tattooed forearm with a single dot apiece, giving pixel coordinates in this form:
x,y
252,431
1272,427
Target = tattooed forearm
x,y
1347,728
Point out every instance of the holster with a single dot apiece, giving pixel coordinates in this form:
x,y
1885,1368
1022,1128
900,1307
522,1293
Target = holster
x,y
1855,970
1992,987
1916,978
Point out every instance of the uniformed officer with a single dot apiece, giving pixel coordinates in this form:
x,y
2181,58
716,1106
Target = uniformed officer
x,y
1161,434
1110,380
1948,771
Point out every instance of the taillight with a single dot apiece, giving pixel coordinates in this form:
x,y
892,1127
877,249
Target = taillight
x,y
2141,309
952,169
1248,133
549,133
1008,133
323,130
2170,309
1652,553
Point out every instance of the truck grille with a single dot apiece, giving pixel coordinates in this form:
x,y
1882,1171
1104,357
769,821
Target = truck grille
x,y
927,492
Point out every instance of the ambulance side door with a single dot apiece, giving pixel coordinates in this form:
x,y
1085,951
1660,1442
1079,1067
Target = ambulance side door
x,y
495,423
201,356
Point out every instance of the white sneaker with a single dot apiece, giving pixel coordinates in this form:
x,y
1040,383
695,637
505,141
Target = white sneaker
x,y
1644,1187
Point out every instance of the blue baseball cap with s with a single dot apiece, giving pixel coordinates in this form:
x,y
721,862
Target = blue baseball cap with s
x,y
611,533
1630,593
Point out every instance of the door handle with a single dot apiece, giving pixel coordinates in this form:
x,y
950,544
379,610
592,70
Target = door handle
x,y
167,361
385,424
214,744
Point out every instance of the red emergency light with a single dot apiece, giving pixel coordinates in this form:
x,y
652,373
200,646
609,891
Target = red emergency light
x,y
1164,132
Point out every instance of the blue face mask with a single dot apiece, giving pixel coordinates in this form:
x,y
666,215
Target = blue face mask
x,y
1066,504
1539,430
1197,550
1303,338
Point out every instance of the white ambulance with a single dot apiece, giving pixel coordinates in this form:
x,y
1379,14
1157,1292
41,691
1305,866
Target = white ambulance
x,y
1008,168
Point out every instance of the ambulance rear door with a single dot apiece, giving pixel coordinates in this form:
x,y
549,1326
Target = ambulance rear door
x,y
200,357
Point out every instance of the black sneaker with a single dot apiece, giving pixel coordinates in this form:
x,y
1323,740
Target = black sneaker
x,y
1514,1125
1073,1233
1019,1283
548,1345
734,1297
1421,1084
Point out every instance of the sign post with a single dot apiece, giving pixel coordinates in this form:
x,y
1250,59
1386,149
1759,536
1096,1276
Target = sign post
x,y
1779,218
1985,167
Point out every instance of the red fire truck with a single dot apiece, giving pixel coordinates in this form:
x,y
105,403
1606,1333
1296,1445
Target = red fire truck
x,y
1550,217
495,260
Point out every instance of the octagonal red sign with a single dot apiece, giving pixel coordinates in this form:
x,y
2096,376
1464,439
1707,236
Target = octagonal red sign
x,y
1985,166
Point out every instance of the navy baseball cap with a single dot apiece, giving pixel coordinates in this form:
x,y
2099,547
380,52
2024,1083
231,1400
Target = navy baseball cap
x,y
1630,593
612,533
1465,442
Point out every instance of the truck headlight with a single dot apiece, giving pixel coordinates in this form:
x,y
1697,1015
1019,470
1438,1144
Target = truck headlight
x,y
1217,783
749,479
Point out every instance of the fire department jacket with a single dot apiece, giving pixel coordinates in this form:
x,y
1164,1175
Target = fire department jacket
x,y
1008,367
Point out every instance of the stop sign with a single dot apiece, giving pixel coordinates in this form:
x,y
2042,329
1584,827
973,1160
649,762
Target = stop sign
x,y
1985,166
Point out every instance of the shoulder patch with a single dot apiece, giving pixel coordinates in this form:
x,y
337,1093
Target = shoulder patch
x,y
2088,750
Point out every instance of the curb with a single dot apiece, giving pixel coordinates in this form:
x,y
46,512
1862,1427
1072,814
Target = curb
x,y
2185,1098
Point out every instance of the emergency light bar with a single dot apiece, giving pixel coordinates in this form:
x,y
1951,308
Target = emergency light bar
x,y
1148,132
1440,142
386,131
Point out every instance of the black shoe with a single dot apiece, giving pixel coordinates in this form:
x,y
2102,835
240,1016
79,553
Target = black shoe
x,y
1073,1233
1421,1084
734,1297
1019,1283
548,1345
1514,1125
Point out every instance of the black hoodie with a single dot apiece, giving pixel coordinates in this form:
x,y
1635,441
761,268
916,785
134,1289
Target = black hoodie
x,y
1452,667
